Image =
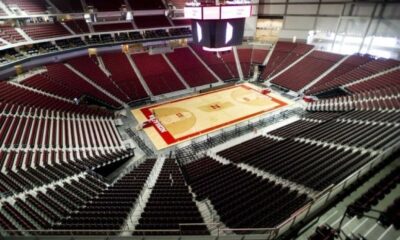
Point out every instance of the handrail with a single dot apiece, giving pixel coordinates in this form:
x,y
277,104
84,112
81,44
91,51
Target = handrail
x,y
87,45
294,215
359,170
20,44
249,229
242,127
86,231
323,192
110,231
198,224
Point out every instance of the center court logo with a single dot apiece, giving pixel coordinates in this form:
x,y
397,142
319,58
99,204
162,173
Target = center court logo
x,y
157,124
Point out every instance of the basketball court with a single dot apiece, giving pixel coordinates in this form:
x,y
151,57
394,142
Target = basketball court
x,y
179,120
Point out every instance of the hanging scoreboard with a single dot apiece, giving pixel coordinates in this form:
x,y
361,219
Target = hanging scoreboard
x,y
218,27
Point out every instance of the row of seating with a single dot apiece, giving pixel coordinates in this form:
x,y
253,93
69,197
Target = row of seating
x,y
249,57
104,5
315,63
196,169
187,64
45,30
295,128
170,204
11,93
280,52
383,81
374,129
37,128
125,84
375,99
39,48
369,68
78,26
160,80
39,81
321,116
213,62
11,55
28,6
392,215
297,50
367,105
309,164
39,31
110,208
366,201
259,55
123,75
39,168
68,6
111,27
242,199
89,67
352,133
284,54
229,59
9,34
40,210
246,148
59,74
152,21
45,139
371,130
145,4
245,59
372,116
71,6
351,63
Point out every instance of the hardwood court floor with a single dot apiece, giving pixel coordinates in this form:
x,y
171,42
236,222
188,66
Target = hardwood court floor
x,y
186,118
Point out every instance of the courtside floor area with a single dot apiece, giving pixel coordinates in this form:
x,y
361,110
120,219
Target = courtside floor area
x,y
172,122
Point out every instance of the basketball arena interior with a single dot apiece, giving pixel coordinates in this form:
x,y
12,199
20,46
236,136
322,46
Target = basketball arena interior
x,y
200,119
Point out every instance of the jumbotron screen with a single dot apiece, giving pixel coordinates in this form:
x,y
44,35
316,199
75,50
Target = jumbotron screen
x,y
218,34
